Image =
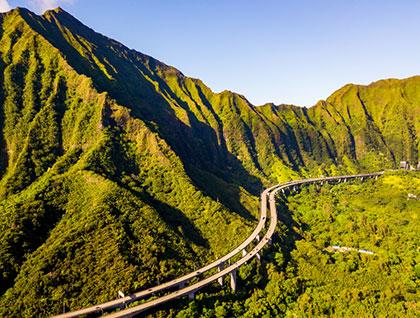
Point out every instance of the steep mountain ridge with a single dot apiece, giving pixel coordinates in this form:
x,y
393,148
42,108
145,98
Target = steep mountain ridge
x,y
110,156
84,177
380,118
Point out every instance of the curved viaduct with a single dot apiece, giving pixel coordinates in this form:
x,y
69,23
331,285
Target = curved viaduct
x,y
225,265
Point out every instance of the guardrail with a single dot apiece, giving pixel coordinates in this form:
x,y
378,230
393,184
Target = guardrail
x,y
231,269
177,282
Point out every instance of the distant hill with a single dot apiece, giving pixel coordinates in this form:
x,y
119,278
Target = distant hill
x,y
117,171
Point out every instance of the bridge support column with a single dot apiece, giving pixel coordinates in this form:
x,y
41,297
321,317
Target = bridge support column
x,y
258,256
219,269
233,280
181,285
257,238
243,252
191,296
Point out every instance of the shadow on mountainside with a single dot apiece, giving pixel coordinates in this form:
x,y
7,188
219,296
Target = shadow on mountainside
x,y
287,234
3,149
197,144
173,217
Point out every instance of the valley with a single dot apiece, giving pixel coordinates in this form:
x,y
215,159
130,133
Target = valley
x,y
119,173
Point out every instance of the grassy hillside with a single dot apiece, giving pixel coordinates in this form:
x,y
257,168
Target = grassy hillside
x,y
118,172
306,278
377,125
93,200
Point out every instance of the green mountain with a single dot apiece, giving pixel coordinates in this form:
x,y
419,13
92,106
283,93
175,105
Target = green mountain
x,y
117,171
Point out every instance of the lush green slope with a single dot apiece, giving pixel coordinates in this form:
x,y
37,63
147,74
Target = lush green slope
x,y
305,278
375,124
108,154
93,200
224,129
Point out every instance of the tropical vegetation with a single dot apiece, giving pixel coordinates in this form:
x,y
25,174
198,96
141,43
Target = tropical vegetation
x,y
118,172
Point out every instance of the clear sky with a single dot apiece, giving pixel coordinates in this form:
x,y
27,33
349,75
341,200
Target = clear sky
x,y
277,51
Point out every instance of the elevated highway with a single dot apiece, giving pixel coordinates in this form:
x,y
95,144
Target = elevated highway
x,y
226,265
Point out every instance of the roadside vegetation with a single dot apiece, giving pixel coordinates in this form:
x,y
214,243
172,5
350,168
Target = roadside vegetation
x,y
117,172
300,277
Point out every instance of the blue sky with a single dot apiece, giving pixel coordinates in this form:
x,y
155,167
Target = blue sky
x,y
280,51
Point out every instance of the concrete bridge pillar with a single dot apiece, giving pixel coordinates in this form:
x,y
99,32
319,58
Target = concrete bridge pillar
x,y
233,280
243,252
219,269
361,179
257,237
258,256
181,285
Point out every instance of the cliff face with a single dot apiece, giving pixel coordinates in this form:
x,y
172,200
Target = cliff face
x,y
109,156
375,122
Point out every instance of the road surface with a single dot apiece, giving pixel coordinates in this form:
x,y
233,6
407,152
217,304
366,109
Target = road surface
x,y
269,193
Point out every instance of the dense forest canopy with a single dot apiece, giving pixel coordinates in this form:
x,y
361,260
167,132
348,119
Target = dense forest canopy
x,y
304,277
118,172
